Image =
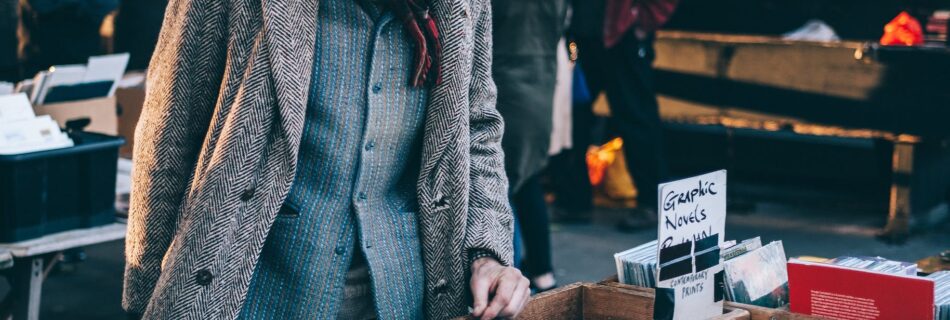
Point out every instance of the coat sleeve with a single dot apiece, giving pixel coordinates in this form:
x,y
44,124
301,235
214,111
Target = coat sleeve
x,y
489,228
183,84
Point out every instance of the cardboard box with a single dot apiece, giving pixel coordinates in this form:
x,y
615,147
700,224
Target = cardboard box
x,y
595,301
755,312
130,101
100,111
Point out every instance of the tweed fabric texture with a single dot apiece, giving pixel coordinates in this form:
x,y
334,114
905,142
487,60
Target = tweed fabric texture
x,y
355,181
218,141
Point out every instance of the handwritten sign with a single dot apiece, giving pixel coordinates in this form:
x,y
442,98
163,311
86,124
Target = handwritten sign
x,y
691,227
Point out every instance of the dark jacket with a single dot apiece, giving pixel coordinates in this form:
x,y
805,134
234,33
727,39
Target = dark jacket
x,y
136,29
526,37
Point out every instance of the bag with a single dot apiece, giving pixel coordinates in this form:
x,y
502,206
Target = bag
x,y
580,91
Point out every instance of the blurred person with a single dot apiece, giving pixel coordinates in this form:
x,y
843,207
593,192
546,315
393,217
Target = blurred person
x,y
58,32
137,24
615,53
55,32
526,35
332,158
9,70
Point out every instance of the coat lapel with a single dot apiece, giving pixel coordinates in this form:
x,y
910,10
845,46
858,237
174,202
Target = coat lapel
x,y
289,33
443,114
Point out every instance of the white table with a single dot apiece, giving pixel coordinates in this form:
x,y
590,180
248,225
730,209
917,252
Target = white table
x,y
6,259
29,257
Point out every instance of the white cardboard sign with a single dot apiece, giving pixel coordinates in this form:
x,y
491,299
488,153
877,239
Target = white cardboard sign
x,y
692,210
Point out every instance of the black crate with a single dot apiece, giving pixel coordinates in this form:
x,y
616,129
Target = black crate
x,y
57,190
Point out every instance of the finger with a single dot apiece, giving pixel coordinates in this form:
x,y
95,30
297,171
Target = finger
x,y
505,289
481,286
517,298
524,303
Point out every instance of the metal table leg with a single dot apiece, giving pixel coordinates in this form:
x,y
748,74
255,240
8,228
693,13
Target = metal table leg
x,y
26,287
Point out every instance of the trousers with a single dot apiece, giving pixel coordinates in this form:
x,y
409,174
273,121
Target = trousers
x,y
625,73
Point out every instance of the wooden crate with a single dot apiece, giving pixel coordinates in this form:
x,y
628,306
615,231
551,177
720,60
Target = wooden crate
x,y
755,312
596,301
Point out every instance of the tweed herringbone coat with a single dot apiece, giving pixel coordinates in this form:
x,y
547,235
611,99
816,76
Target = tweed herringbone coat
x,y
216,151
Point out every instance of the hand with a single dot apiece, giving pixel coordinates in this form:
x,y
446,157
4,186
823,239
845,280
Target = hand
x,y
508,289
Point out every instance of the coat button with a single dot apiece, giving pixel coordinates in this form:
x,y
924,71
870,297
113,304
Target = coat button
x,y
441,287
247,194
203,277
440,202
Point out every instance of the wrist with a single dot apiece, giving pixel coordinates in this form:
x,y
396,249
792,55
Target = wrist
x,y
481,258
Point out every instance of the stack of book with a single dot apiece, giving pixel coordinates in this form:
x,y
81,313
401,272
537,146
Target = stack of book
x,y
878,264
941,294
637,266
21,131
841,292
753,274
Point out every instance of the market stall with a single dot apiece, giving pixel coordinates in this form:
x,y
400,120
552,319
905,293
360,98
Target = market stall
x,y
841,91
29,263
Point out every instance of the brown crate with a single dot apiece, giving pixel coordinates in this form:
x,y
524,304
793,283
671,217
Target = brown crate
x,y
755,312
100,111
595,301
130,102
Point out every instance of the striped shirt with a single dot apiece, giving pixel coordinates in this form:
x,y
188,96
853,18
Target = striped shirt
x,y
355,188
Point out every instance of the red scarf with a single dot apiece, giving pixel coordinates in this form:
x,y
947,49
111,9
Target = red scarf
x,y
647,15
417,18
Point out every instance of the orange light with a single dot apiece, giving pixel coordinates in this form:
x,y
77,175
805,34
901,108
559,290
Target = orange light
x,y
903,30
598,159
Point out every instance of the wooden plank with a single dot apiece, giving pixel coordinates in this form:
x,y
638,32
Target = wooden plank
x,y
563,303
605,302
749,39
560,303
65,240
762,313
824,68
935,263
733,314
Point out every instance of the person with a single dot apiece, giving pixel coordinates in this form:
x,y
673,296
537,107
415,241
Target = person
x,y
137,23
9,69
55,32
332,158
615,53
526,35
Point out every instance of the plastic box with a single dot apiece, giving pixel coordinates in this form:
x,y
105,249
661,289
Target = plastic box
x,y
57,190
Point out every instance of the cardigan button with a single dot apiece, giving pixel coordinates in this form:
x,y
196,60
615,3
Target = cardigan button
x,y
203,277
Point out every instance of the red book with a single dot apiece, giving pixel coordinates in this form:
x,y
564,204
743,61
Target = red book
x,y
853,294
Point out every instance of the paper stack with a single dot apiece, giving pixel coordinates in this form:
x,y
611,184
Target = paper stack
x,y
941,294
878,264
637,266
21,131
99,77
